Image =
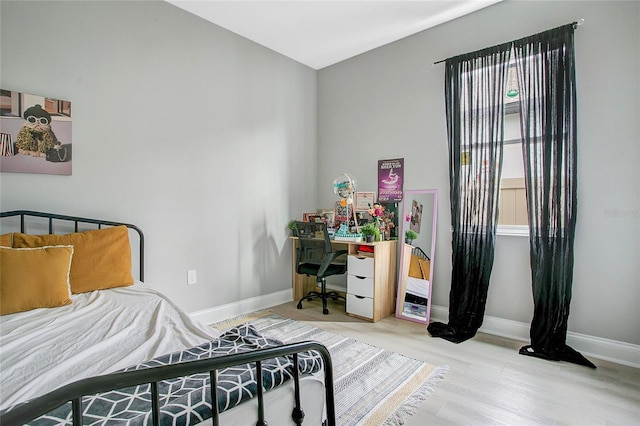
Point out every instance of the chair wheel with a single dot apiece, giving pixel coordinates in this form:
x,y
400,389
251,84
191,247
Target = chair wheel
x,y
299,305
325,311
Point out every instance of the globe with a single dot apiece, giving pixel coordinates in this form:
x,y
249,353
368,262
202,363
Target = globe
x,y
344,185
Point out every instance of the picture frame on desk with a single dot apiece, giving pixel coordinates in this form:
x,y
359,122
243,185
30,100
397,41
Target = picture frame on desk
x,y
326,216
309,217
363,201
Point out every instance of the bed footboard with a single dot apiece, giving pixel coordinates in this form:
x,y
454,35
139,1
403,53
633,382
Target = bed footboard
x,y
74,392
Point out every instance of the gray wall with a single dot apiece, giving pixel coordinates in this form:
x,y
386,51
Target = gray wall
x,y
389,103
203,138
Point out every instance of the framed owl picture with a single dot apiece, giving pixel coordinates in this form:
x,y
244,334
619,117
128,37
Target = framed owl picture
x,y
35,134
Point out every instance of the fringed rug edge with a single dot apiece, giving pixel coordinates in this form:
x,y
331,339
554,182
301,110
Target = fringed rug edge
x,y
404,403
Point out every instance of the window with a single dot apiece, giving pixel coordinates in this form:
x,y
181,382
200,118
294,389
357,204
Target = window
x,y
512,211
512,216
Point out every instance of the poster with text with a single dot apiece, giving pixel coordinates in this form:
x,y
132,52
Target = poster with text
x,y
35,134
390,180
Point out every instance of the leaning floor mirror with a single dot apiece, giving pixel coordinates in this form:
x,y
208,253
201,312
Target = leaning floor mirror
x,y
418,232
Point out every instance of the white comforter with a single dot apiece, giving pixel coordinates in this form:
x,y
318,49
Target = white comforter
x,y
418,287
100,332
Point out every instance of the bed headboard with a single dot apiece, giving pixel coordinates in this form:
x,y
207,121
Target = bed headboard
x,y
420,253
58,219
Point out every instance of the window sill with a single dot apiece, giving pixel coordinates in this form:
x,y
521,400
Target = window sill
x,y
513,230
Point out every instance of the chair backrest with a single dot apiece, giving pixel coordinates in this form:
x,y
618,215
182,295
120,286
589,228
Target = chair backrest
x,y
313,242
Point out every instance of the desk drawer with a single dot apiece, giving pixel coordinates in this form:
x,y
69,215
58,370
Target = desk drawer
x,y
360,306
360,266
361,286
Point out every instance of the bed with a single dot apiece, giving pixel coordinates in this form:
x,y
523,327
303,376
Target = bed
x,y
113,349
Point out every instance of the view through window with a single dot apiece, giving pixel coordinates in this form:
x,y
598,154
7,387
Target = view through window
x,y
512,217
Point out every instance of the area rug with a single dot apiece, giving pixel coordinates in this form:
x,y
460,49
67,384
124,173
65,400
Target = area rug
x,y
373,386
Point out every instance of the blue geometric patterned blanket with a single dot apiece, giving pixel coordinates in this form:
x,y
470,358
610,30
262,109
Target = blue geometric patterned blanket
x,y
186,400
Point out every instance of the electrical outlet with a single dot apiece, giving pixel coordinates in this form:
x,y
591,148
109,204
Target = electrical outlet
x,y
192,278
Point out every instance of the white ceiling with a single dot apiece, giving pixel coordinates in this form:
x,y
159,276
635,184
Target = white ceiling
x,y
322,33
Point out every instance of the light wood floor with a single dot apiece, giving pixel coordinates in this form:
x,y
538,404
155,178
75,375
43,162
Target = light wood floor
x,y
489,383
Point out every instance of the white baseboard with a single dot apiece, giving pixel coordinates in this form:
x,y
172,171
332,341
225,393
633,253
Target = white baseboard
x,y
598,347
230,310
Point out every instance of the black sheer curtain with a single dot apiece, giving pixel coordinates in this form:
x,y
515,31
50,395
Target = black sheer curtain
x,y
474,90
546,74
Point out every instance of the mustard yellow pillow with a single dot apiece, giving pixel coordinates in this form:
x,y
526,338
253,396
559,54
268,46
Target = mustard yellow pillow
x,y
5,240
101,258
33,278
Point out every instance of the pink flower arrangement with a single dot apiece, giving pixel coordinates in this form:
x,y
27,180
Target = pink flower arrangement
x,y
387,217
376,212
381,217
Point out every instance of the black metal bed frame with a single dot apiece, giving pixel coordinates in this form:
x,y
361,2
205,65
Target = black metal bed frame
x,y
420,253
74,392
76,220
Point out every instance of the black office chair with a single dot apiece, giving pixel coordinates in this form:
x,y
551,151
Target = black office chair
x,y
315,257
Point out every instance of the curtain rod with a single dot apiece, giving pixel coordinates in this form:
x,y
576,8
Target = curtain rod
x,y
574,23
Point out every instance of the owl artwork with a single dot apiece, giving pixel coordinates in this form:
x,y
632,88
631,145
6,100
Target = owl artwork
x,y
36,137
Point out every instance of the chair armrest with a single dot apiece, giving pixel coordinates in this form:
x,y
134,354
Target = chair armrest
x,y
328,259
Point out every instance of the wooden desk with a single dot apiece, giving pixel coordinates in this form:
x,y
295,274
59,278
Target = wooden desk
x,y
372,300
